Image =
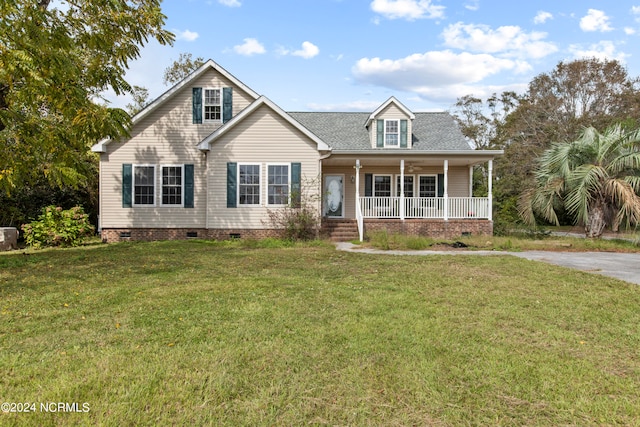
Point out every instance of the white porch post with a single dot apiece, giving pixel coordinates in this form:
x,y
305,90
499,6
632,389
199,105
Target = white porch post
x,y
357,168
402,190
471,181
446,190
357,205
489,192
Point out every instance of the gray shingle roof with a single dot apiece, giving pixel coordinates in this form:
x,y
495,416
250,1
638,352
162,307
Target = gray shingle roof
x,y
347,131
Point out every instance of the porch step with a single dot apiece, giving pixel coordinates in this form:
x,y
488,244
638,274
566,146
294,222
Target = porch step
x,y
339,230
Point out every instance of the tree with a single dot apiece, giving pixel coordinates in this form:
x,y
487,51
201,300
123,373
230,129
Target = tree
x,y
480,121
140,98
556,107
54,64
181,68
595,178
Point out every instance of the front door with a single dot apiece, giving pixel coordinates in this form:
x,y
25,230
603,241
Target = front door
x,y
333,204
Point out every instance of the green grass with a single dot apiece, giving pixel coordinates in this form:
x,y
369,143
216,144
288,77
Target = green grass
x,y
205,333
386,241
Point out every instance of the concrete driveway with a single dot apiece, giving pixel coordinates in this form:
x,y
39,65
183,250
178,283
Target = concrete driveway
x,y
623,266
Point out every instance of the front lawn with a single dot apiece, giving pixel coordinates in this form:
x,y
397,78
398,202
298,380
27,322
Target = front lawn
x,y
206,333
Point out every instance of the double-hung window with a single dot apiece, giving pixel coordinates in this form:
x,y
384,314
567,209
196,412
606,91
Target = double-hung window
x,y
391,133
408,186
144,178
212,105
428,186
249,184
172,185
382,186
278,184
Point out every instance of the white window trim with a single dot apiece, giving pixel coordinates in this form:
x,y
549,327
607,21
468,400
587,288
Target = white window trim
x,y
373,185
181,190
397,184
434,175
288,165
204,97
155,186
260,185
385,133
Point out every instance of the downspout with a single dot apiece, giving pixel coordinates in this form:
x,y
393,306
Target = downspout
x,y
100,193
206,186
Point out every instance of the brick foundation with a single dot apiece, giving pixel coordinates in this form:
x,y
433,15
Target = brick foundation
x,y
435,228
112,235
439,229
225,234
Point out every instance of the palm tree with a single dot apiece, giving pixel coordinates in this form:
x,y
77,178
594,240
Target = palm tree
x,y
595,179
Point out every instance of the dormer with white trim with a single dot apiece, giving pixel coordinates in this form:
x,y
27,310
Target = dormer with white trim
x,y
391,125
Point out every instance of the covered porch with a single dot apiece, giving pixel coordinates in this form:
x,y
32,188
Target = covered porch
x,y
432,186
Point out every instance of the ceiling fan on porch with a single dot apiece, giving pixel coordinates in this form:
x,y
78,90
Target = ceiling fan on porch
x,y
411,168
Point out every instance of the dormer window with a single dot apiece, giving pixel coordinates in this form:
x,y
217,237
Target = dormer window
x,y
391,133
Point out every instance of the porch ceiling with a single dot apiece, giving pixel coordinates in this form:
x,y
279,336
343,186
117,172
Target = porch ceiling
x,y
415,158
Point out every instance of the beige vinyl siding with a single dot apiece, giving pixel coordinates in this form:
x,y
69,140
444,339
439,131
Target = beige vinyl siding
x,y
391,112
166,136
458,180
263,137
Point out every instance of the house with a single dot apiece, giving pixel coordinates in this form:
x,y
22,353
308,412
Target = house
x,y
210,158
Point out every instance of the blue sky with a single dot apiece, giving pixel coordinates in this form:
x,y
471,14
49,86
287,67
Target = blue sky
x,y
351,55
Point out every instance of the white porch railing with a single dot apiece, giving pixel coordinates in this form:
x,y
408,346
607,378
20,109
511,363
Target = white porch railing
x,y
425,207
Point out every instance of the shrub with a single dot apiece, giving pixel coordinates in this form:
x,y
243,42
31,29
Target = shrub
x,y
298,220
296,223
57,227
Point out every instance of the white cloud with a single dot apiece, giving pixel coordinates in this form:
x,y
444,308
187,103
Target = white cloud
x,y
309,50
249,47
230,3
433,71
510,41
542,17
601,50
186,35
635,10
472,5
595,20
629,31
407,9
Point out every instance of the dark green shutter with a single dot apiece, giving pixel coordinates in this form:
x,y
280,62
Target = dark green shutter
x,y
227,104
440,185
403,134
197,105
380,134
232,184
296,185
127,184
188,186
368,185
